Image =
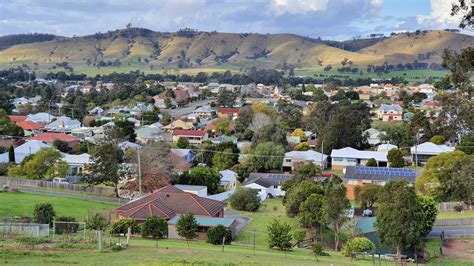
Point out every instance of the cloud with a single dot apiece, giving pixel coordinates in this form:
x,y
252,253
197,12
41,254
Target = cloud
x,y
440,15
297,6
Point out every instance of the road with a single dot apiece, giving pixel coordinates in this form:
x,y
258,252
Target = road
x,y
180,111
451,231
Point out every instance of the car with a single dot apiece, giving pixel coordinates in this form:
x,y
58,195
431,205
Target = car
x,y
367,213
59,180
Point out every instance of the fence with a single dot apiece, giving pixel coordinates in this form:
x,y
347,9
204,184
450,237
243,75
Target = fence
x,y
454,222
26,229
449,206
48,185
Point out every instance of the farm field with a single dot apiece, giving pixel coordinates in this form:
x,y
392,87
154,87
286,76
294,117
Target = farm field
x,y
22,204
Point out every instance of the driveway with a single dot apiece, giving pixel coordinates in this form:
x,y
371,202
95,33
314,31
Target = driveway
x,y
242,221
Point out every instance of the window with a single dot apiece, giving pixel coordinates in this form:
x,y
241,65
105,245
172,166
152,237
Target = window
x,y
351,160
337,159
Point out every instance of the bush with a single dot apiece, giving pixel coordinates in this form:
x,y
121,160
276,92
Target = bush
x,y
458,207
31,241
182,143
299,235
371,163
154,227
66,228
437,139
245,199
216,234
318,250
279,235
63,245
358,244
122,225
44,213
97,222
117,247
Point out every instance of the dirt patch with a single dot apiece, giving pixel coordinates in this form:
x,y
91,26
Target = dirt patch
x,y
459,249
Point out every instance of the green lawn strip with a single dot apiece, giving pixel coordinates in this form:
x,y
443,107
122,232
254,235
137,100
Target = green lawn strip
x,y
22,204
454,215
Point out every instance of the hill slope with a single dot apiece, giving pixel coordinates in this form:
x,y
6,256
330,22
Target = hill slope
x,y
137,48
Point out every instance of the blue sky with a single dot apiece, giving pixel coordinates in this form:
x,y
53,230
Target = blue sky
x,y
331,19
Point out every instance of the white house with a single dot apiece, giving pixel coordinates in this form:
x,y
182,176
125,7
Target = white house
x,y
390,112
268,185
41,118
26,149
76,163
201,191
373,136
427,150
63,124
228,179
386,147
294,158
351,157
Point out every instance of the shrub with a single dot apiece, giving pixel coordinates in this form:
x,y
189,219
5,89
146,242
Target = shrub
x,y
63,245
117,247
371,163
122,225
154,227
216,234
395,158
245,199
182,143
318,250
358,244
299,235
458,207
66,228
279,235
31,241
44,213
437,139
97,222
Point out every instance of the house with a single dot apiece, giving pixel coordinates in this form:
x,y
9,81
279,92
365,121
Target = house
x,y
267,184
226,112
361,175
201,191
187,155
228,179
204,112
148,133
348,156
225,139
82,132
77,163
41,118
96,111
50,137
28,148
63,124
373,136
30,127
17,118
386,147
295,158
427,150
389,112
125,145
170,202
193,136
178,124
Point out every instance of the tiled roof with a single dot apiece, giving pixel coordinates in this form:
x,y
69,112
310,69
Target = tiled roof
x,y
51,136
17,118
228,110
183,132
29,125
168,202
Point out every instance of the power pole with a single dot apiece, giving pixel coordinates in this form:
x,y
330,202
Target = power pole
x,y
139,173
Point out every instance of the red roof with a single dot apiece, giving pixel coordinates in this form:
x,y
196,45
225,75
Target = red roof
x,y
29,125
17,118
228,110
52,136
193,133
168,202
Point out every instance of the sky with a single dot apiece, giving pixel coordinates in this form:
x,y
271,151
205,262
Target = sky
x,y
328,19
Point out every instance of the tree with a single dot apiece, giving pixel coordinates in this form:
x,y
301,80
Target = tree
x,y
311,213
371,163
437,173
245,199
62,146
437,139
38,166
299,133
121,226
266,156
279,235
467,144
303,146
270,133
125,130
182,143
187,227
335,206
223,160
97,222
299,235
297,194
149,118
429,211
11,154
259,121
217,234
202,176
395,158
8,127
44,213
106,159
399,216
461,183
226,98
357,244
462,7
367,195
154,227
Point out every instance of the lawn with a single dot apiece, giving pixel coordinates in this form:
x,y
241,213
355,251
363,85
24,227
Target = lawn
x,y
452,214
22,204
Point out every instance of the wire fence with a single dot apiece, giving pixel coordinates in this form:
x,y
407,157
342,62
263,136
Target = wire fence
x,y
11,229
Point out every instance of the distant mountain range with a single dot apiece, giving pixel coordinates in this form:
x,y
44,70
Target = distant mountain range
x,y
142,48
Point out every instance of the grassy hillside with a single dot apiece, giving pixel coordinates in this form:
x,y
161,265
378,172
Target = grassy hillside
x,y
136,48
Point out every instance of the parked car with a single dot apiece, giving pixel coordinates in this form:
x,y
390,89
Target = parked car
x,y
60,180
367,213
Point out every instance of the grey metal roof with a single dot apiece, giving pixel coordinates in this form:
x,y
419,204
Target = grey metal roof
x,y
379,173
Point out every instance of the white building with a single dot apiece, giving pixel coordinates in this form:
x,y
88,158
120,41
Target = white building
x,y
201,191
427,150
352,157
28,148
267,185
294,158
228,179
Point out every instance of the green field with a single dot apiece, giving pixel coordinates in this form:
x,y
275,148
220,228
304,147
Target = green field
x,y
409,75
451,215
22,204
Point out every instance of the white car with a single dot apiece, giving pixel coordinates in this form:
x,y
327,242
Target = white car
x,y
60,180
